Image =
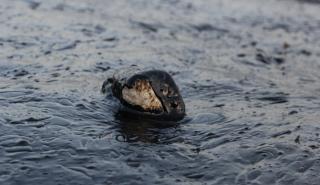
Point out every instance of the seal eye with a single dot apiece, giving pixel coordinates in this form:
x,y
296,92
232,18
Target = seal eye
x,y
165,90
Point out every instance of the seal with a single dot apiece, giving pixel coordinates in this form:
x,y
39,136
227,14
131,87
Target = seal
x,y
151,93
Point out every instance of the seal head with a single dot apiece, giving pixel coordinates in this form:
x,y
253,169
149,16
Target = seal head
x,y
151,93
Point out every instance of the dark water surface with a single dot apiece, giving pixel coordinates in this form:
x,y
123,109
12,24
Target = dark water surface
x,y
247,69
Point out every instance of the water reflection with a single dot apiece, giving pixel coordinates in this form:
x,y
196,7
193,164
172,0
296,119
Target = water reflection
x,y
139,129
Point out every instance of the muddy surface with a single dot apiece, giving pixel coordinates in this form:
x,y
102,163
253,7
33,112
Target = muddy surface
x,y
248,71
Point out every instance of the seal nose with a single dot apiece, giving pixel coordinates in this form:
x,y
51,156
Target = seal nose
x,y
173,105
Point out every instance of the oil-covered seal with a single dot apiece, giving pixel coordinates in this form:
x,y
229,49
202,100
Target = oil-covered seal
x,y
151,93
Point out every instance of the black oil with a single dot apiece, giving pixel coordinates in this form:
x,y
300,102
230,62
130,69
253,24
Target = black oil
x,y
248,71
